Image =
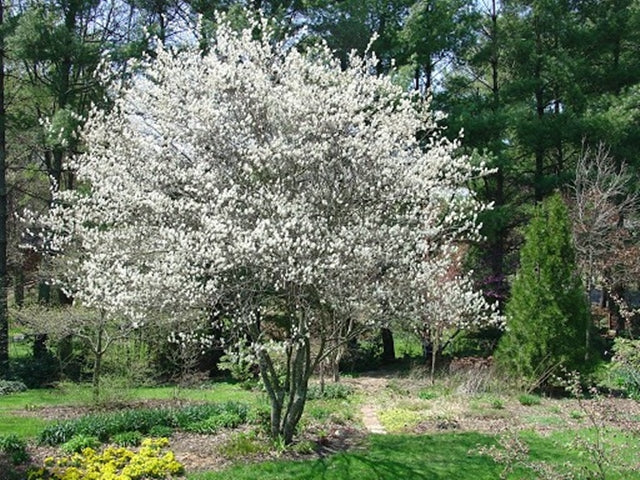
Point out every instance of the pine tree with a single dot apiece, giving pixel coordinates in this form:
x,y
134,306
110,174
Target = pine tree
x,y
547,314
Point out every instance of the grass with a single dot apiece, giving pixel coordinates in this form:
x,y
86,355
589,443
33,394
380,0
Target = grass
x,y
28,425
529,400
430,457
386,457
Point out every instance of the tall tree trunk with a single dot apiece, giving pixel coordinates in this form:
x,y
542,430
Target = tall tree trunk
x,y
388,347
4,317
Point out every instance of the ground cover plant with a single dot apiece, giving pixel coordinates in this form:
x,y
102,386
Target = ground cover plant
x,y
152,460
200,418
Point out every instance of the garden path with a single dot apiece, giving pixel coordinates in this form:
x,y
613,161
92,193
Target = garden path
x,y
370,385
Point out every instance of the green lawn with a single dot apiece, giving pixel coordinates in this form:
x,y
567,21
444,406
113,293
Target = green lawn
x,y
393,457
443,456
28,425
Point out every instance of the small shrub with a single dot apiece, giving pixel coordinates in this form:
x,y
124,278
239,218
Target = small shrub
x,y
160,431
304,447
427,394
625,366
399,420
152,461
11,386
15,448
497,403
127,439
529,400
36,372
243,444
576,414
80,442
331,391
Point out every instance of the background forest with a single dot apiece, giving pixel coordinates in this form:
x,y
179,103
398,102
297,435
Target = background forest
x,y
210,209
545,92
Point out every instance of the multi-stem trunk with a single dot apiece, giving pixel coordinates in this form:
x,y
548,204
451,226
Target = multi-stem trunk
x,y
288,394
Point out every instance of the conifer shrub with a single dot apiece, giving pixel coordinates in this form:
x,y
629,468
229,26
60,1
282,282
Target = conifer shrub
x,y
547,314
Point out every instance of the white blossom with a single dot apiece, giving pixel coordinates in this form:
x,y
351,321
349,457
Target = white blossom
x,y
257,168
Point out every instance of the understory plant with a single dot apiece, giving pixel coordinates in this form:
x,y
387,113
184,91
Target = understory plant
x,y
152,460
15,448
105,426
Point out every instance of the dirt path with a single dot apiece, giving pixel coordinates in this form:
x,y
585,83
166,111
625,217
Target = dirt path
x,y
370,387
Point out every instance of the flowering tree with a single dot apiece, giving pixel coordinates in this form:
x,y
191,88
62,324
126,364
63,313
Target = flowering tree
x,y
450,306
269,190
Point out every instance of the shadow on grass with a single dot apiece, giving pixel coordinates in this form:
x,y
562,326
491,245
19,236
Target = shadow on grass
x,y
386,457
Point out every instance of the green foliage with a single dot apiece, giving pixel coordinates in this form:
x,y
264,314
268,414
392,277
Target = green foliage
x,y
228,419
36,372
547,314
128,439
398,420
11,386
330,391
243,444
77,443
529,400
151,461
106,425
427,394
160,431
15,448
625,366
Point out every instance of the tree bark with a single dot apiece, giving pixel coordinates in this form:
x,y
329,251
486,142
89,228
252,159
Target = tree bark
x,y
4,317
388,347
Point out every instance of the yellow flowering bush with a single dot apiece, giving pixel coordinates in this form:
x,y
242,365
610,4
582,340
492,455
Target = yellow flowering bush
x,y
114,463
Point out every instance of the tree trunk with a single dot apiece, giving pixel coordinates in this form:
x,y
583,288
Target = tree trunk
x,y
4,317
388,347
97,367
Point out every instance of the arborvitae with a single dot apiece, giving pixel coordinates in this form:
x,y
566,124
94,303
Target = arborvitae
x,y
547,314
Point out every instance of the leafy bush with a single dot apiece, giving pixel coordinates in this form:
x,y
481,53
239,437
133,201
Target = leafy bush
x,y
529,400
127,439
38,371
77,443
230,414
152,461
106,425
11,386
160,431
242,445
547,314
331,391
625,366
15,448
427,394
